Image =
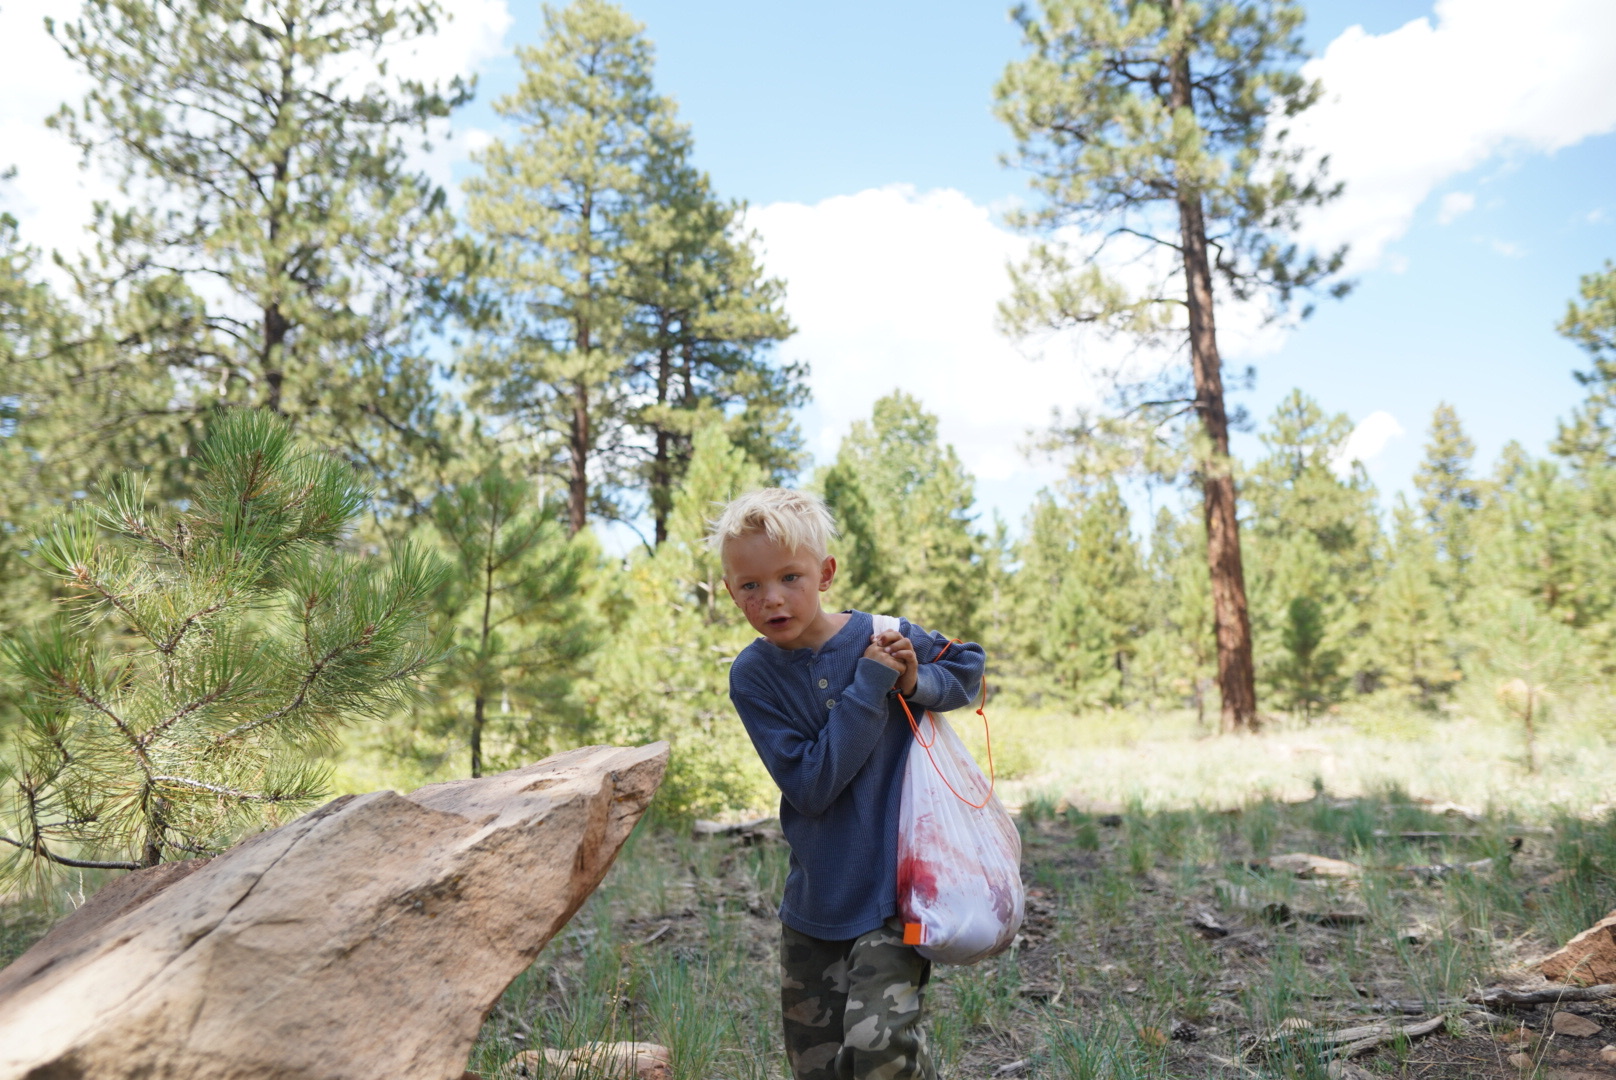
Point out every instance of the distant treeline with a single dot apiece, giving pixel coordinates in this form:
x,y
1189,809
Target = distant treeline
x,y
593,340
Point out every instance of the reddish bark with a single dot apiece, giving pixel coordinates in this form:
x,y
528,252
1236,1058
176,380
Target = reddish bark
x,y
1237,682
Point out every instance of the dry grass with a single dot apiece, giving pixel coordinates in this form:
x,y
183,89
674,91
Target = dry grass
x,y
1132,823
1167,761
1110,979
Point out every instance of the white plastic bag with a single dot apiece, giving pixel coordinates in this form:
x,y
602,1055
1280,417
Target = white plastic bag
x,y
959,854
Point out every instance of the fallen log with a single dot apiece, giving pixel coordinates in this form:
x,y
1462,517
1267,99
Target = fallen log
x,y
1351,1042
595,1061
1553,994
737,828
747,833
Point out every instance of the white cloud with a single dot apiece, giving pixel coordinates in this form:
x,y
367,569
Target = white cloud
x,y
1366,442
892,289
1506,249
897,289
51,196
475,32
1598,216
1454,205
1406,110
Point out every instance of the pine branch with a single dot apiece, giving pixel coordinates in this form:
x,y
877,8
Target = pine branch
x,y
217,789
63,860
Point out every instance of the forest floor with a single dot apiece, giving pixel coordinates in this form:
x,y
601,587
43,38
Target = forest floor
x,y
1159,942
1156,944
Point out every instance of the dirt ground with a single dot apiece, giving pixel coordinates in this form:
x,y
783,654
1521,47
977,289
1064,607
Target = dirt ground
x,y
1157,945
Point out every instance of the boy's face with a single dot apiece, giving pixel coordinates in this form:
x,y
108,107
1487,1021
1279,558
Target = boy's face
x,y
778,588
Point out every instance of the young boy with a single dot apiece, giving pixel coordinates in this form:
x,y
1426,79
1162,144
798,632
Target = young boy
x,y
818,693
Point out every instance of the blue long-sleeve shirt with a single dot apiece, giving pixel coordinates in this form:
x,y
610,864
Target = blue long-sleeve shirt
x,y
832,734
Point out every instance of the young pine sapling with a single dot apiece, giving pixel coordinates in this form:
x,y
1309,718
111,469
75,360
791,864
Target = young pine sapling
x,y
200,653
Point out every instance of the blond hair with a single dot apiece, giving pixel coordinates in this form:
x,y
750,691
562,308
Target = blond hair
x,y
793,519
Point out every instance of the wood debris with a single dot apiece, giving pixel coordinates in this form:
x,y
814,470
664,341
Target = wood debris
x,y
1552,994
1307,866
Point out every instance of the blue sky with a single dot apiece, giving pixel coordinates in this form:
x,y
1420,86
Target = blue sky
x,y
798,104
1477,145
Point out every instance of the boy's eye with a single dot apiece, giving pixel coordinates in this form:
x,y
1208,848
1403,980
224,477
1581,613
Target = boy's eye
x,y
749,585
792,577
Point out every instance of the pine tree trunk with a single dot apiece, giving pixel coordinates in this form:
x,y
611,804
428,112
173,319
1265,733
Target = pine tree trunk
x,y
479,705
578,440
275,328
661,470
1237,684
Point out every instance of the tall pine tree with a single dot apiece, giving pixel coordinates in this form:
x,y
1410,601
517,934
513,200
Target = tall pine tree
x,y
556,210
277,249
1161,120
708,321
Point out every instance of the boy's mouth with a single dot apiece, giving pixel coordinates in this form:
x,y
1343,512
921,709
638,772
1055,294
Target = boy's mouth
x,y
779,621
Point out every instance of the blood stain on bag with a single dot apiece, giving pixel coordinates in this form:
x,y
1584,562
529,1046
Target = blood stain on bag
x,y
917,877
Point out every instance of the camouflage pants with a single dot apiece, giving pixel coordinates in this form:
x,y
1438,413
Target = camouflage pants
x,y
852,1008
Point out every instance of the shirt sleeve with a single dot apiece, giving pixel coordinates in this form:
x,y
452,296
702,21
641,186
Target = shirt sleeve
x,y
812,771
950,673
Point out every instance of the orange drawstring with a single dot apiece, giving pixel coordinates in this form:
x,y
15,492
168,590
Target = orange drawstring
x,y
987,735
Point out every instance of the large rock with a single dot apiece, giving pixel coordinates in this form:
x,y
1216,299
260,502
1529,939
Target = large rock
x,y
366,939
1586,959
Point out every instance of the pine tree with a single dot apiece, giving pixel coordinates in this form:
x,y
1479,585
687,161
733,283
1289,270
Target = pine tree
x,y
1589,439
514,602
1081,606
1313,535
663,673
559,211
1178,611
918,498
59,385
707,323
867,572
201,654
1133,113
1310,673
277,249
1528,660
1448,495
1411,645
1038,663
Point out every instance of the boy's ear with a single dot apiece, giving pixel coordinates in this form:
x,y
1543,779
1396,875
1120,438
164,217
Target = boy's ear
x,y
733,600
827,572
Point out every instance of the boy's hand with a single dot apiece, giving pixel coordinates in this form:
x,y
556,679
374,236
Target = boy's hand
x,y
897,652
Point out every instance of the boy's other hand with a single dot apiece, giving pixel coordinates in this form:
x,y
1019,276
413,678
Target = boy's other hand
x,y
899,654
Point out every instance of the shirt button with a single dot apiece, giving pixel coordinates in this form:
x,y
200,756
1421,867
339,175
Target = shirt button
x,y
824,683
830,703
